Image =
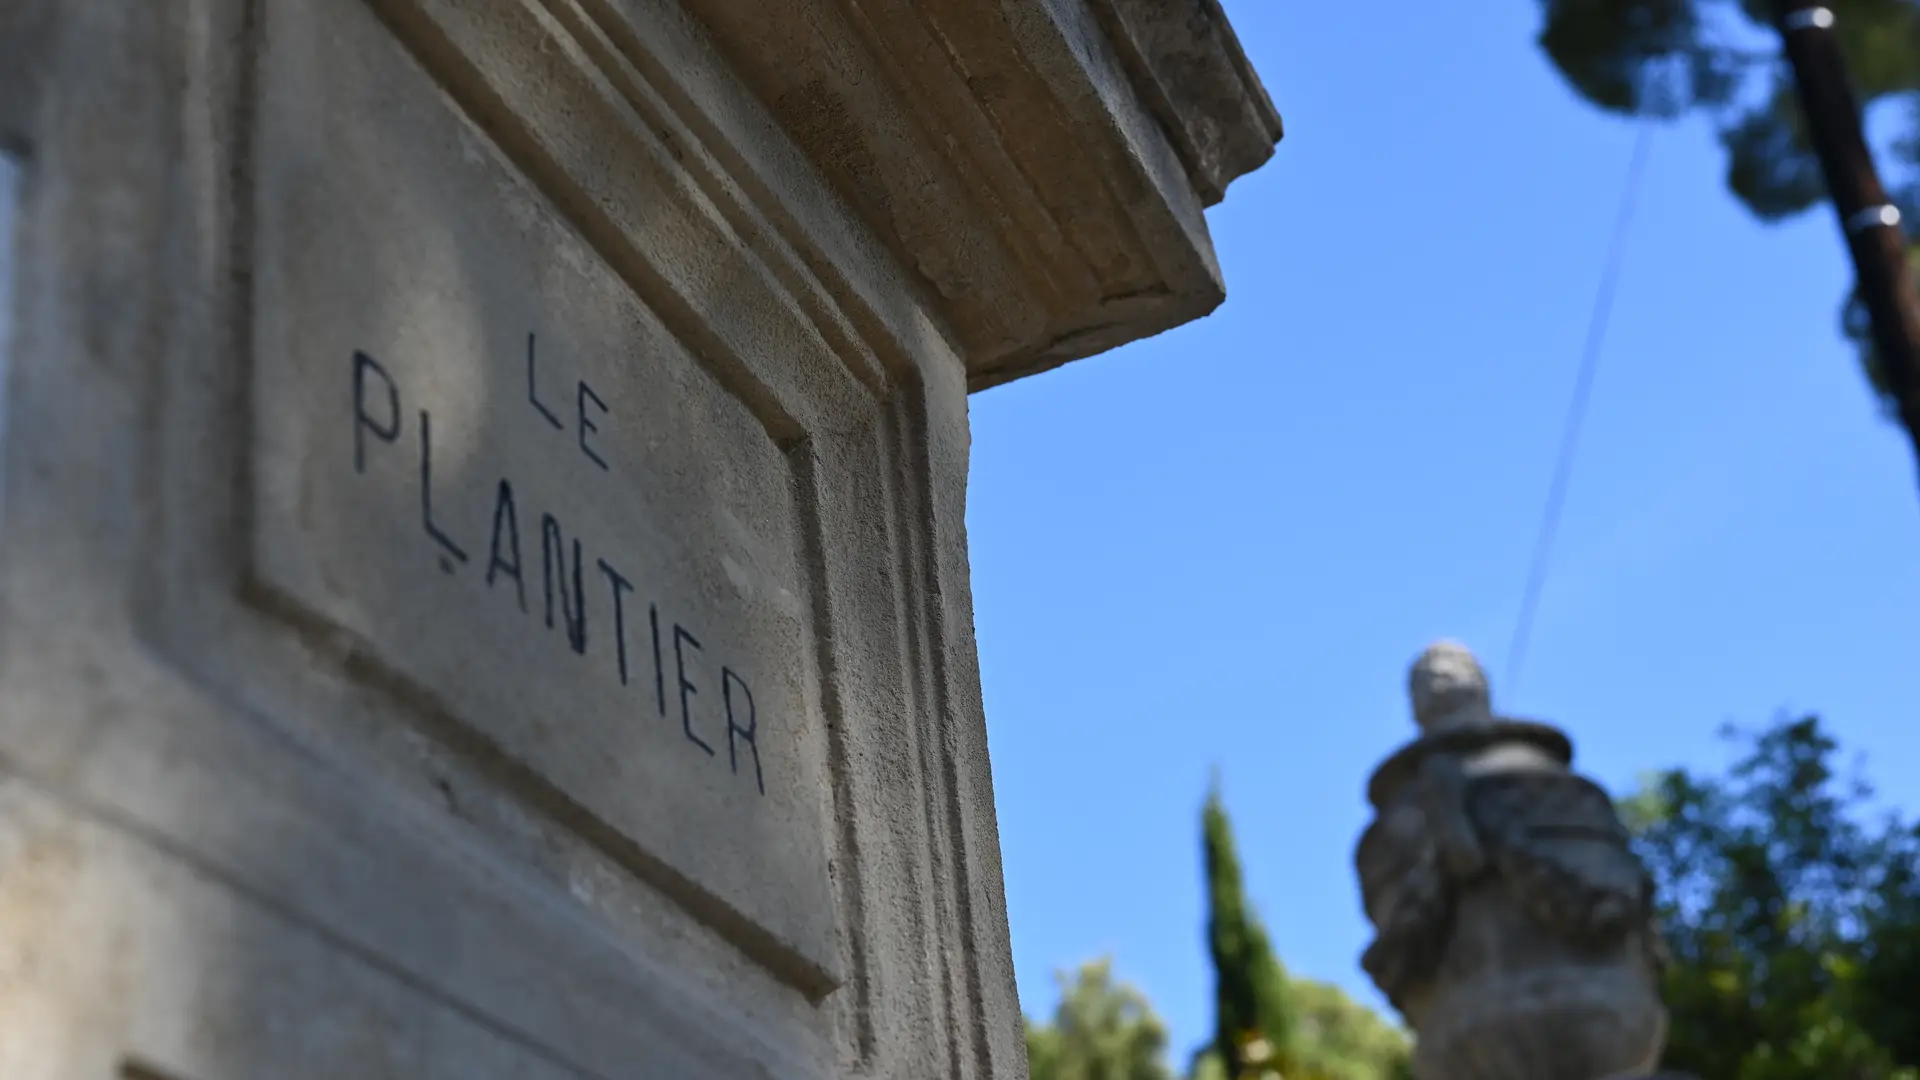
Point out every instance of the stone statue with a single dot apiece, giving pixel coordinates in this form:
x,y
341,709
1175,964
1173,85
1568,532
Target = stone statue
x,y
1515,927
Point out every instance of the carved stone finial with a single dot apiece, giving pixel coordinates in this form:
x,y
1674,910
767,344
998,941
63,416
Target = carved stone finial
x,y
1448,688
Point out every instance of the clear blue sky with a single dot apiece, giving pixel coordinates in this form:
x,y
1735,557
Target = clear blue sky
x,y
1222,546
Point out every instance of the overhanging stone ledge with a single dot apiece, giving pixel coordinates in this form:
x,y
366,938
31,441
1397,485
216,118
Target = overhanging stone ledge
x,y
1188,67
1041,167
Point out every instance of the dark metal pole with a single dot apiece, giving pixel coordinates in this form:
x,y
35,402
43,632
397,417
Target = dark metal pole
x,y
1867,217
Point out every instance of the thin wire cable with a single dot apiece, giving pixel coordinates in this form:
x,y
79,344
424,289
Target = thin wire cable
x,y
1577,411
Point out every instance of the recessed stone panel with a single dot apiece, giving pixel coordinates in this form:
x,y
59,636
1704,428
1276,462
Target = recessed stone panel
x,y
478,454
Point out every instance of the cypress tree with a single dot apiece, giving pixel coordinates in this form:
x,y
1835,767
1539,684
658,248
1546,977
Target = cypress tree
x,y
1251,1029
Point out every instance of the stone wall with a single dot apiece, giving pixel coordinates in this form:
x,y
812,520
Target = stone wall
x,y
483,584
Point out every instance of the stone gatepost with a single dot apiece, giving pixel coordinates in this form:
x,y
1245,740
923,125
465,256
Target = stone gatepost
x,y
1515,928
483,585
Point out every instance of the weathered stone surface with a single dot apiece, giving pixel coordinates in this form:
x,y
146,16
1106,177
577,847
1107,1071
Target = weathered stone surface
x,y
521,496
9,210
1040,166
1515,929
291,782
1187,66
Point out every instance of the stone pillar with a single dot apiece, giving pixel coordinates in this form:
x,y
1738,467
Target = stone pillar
x,y
1515,928
483,586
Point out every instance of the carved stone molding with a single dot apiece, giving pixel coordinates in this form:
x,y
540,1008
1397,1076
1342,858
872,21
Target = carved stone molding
x,y
1188,67
484,546
1042,167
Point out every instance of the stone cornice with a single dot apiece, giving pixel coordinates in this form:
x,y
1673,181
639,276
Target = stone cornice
x,y
1187,65
1041,166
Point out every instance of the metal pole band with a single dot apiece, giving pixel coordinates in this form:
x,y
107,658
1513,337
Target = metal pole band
x,y
1811,18
1873,217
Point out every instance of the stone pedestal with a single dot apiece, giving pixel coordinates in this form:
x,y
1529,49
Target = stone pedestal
x,y
1515,926
484,579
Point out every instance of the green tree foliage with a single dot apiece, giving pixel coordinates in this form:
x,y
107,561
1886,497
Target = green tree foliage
x,y
1271,1025
1102,1030
1251,1022
1334,1038
1859,330
1337,1038
1276,1026
1105,1030
1721,59
1793,915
